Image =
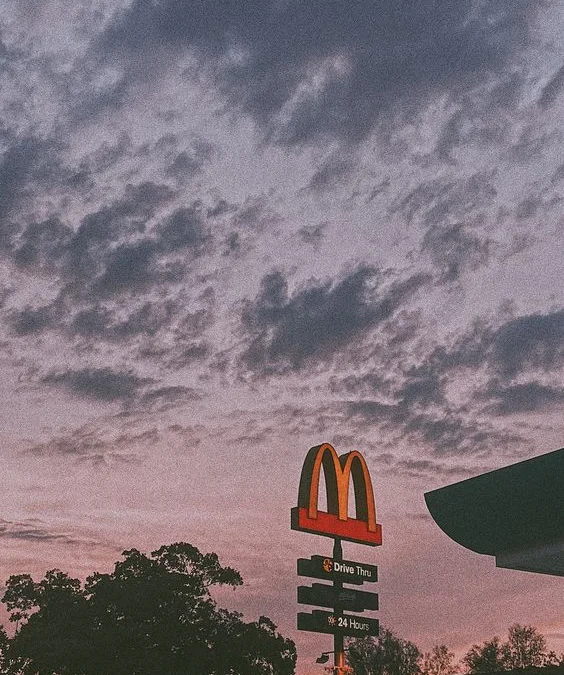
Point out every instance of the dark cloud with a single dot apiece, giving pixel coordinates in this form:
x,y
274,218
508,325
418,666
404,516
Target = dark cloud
x,y
29,320
128,267
106,156
102,384
99,446
552,89
187,354
366,384
163,398
254,213
482,120
221,208
444,431
41,245
100,322
423,468
528,207
333,171
533,341
312,234
105,270
90,243
454,249
25,161
289,332
421,389
188,163
440,400
514,348
232,243
304,71
92,322
436,201
183,229
522,398
33,530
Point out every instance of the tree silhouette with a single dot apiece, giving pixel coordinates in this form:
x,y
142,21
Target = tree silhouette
x,y
439,661
153,615
486,658
525,647
386,655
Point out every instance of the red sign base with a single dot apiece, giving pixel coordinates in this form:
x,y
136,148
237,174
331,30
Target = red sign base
x,y
329,525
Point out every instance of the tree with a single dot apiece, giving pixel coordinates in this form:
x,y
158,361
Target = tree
x,y
525,647
438,662
486,658
387,655
153,615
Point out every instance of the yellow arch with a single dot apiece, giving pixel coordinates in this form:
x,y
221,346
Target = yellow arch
x,y
338,471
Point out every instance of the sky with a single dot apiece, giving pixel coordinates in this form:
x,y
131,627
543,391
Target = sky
x,y
231,231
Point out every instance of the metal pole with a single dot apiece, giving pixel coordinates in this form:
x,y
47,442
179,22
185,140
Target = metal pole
x,y
338,639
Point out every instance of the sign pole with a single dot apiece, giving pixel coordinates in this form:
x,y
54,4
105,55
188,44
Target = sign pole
x,y
337,524
338,639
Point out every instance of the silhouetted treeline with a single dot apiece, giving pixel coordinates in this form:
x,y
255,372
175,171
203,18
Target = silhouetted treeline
x,y
153,615
524,653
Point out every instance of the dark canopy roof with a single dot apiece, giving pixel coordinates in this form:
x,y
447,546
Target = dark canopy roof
x,y
514,509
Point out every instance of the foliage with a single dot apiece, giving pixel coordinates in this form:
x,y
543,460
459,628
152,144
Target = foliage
x,y
153,615
524,648
486,658
438,662
387,655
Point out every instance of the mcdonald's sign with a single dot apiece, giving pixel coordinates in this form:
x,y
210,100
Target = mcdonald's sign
x,y
335,522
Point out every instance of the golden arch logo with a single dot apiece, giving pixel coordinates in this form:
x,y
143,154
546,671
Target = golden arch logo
x,y
335,522
328,565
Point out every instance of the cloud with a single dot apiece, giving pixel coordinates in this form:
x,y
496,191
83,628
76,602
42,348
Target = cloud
x,y
533,341
169,395
308,71
438,202
102,445
35,531
30,320
313,234
183,229
513,348
423,390
102,274
102,384
444,431
188,163
16,165
521,398
483,119
333,171
289,332
438,400
414,467
128,267
454,249
552,89
41,245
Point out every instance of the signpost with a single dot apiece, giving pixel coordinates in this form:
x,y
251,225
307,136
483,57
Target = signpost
x,y
337,524
326,596
348,571
331,622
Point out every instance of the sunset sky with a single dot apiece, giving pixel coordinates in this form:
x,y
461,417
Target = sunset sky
x,y
230,231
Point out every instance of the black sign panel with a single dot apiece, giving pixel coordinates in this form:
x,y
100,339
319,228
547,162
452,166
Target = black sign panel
x,y
345,624
343,598
351,572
